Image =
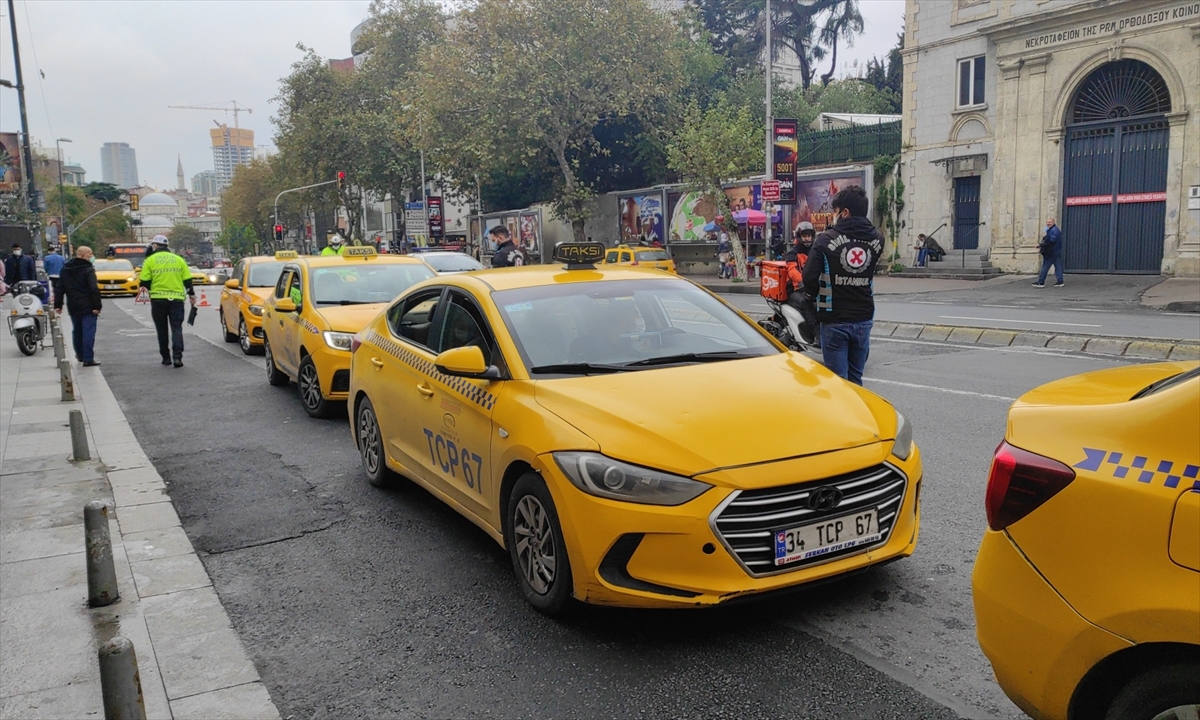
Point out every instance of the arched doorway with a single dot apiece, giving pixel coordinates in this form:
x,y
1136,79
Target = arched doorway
x,y
1115,174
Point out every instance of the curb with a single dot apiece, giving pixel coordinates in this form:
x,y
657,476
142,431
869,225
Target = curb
x,y
1142,348
1186,306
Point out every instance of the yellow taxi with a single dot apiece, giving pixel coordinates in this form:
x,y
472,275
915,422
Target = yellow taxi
x,y
570,413
241,306
1087,583
657,258
199,277
116,277
317,305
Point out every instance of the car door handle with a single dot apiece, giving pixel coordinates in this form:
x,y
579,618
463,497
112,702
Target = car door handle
x,y
377,363
425,390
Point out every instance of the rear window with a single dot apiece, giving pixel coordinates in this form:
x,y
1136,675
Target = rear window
x,y
652,255
451,262
1167,383
116,265
265,274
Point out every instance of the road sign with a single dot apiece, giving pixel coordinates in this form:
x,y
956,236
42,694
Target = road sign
x,y
770,190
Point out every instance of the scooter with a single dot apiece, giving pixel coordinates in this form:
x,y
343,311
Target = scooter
x,y
27,321
786,324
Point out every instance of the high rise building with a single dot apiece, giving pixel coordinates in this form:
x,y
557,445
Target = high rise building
x,y
118,165
231,147
205,183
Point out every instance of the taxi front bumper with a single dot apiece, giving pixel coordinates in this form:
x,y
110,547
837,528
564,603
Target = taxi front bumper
x,y
1039,647
634,555
333,369
110,288
254,327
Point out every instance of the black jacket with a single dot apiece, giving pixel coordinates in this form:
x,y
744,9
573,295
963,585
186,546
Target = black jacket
x,y
77,283
840,270
507,255
18,268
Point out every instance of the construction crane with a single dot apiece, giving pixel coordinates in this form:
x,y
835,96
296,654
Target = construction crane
x,y
234,108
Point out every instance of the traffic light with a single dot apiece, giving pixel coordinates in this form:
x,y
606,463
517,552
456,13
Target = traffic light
x,y
133,201
341,179
278,232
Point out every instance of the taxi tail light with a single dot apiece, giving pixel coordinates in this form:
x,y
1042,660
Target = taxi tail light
x,y
1020,482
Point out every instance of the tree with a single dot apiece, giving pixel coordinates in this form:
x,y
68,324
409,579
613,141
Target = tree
x,y
845,22
887,75
517,79
102,191
712,147
185,238
238,240
250,198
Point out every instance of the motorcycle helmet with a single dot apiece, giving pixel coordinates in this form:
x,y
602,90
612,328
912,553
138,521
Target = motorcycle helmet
x,y
805,227
336,241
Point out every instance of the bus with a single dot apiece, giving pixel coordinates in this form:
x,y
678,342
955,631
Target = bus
x,y
133,252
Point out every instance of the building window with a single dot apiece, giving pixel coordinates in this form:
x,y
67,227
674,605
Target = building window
x,y
971,74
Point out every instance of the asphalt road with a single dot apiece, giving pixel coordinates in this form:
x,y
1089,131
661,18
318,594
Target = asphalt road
x,y
355,602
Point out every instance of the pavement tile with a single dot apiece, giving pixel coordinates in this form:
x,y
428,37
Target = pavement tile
x,y
47,640
27,544
155,544
1027,339
131,495
56,703
155,516
49,469
38,391
1000,338
965,335
169,574
39,427
32,500
204,662
124,456
1147,349
1066,342
243,702
883,328
184,613
1185,352
40,411
907,331
38,444
1106,346
935,332
134,477
39,575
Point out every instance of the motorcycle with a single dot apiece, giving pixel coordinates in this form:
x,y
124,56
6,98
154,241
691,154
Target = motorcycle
x,y
28,321
786,324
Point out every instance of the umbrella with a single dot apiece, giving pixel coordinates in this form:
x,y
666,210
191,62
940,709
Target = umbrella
x,y
710,227
754,217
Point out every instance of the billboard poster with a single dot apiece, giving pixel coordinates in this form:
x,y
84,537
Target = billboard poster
x,y
485,241
10,163
813,198
476,238
641,216
531,233
436,228
787,152
744,197
689,213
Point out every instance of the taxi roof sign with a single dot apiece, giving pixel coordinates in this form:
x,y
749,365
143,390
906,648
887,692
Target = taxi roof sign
x,y
579,255
286,254
358,251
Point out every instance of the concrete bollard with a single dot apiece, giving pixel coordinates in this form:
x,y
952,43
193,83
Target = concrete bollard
x,y
79,443
120,682
64,377
101,574
60,349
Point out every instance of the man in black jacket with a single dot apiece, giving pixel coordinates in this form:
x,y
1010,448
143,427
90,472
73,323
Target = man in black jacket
x,y
507,254
839,274
77,285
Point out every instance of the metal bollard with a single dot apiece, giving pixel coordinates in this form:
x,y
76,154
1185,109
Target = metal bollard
x,y
120,682
79,443
101,574
64,379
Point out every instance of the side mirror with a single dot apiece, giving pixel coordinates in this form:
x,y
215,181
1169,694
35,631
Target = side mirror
x,y
466,362
232,284
285,305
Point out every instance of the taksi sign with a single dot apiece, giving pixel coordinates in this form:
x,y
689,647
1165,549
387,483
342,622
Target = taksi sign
x,y
1114,25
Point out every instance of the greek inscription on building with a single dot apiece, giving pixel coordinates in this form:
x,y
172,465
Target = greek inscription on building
x,y
1186,11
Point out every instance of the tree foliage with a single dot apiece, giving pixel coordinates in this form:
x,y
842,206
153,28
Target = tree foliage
x,y
249,200
102,191
238,240
887,75
185,238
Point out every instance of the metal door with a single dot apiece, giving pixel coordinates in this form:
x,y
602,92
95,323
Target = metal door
x,y
966,213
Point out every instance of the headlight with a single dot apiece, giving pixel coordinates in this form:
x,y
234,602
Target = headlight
x,y
904,442
130,279
256,310
602,476
337,340
212,278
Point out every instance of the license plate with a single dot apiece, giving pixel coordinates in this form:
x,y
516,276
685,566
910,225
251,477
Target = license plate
x,y
829,535
112,287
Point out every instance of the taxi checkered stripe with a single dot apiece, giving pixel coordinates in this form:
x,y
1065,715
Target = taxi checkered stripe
x,y
309,326
1139,467
462,386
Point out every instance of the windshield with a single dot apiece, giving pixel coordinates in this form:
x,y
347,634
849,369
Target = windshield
x,y
452,262
634,324
373,282
113,265
1167,383
265,274
651,255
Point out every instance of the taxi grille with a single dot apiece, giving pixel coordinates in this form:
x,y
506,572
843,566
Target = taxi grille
x,y
747,523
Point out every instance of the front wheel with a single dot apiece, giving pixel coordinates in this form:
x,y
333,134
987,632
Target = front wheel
x,y
229,337
275,376
535,543
370,446
309,383
27,341
243,336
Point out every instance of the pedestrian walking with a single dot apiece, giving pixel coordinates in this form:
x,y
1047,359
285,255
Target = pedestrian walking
x,y
167,277
76,285
1051,248
507,253
18,266
53,263
839,273
724,253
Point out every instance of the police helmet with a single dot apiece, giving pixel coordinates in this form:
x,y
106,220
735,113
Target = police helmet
x,y
336,240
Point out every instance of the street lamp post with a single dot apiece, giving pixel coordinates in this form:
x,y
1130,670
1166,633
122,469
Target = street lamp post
x,y
62,196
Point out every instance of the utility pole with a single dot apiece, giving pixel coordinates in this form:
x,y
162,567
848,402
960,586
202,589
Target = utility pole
x,y
31,188
770,153
62,196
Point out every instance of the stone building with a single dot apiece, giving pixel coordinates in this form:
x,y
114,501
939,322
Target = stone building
x,y
1084,110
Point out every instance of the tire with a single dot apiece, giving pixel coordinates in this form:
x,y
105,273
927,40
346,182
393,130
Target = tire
x,y
243,338
275,376
370,446
229,337
309,383
27,341
535,544
1154,694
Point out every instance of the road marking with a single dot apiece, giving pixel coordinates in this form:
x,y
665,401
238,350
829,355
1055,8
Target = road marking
x,y
760,305
929,302
1023,322
935,388
1012,307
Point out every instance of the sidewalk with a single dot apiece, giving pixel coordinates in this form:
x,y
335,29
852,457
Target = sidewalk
x,y
192,663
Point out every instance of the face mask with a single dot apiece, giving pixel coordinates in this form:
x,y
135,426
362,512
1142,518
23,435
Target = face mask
x,y
17,252
92,259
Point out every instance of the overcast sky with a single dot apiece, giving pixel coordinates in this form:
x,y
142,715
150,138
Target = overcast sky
x,y
112,68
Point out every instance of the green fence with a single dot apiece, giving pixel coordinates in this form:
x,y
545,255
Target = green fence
x,y
852,144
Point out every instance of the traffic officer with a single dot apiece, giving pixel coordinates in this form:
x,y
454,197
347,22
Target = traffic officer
x,y
507,253
167,277
336,246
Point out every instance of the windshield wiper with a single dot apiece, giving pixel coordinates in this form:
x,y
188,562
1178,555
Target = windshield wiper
x,y
715,356
576,369
342,302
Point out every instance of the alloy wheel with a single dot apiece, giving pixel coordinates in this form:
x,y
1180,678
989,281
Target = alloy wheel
x,y
368,439
243,336
535,544
310,385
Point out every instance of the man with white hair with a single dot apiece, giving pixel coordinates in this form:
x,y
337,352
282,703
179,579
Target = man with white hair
x,y
167,277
